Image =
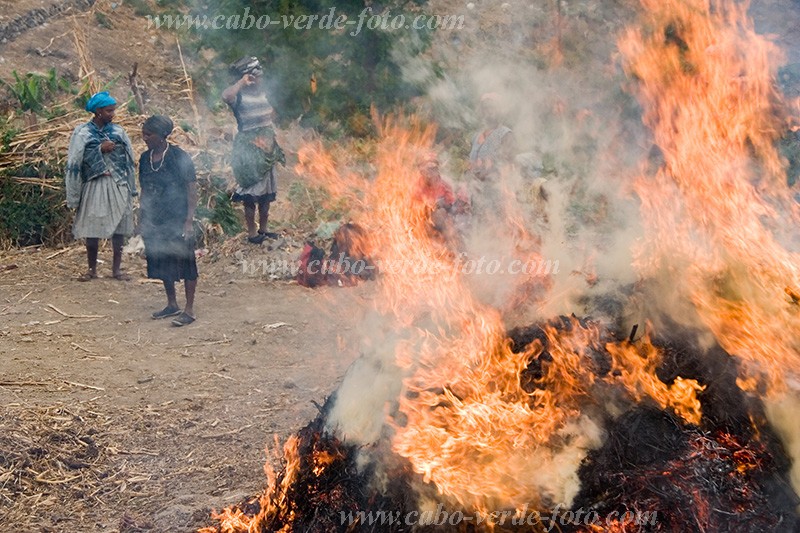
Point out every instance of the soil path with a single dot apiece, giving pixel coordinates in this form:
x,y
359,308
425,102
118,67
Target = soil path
x,y
112,421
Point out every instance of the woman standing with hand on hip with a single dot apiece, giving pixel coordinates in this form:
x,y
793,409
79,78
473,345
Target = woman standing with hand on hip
x,y
255,150
169,197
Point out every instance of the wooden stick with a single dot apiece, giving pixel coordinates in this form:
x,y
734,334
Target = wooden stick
x,y
6,308
227,433
23,383
65,315
138,452
190,97
63,250
39,182
223,341
83,386
77,346
134,85
40,479
633,332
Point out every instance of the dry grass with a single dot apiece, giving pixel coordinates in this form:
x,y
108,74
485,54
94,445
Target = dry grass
x,y
57,454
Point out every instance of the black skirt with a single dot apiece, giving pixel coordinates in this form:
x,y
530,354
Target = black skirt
x,y
170,259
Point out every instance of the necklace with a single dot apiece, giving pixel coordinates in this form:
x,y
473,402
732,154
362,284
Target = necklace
x,y
161,163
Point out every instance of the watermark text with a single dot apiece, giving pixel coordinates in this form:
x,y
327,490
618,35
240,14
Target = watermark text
x,y
560,516
462,264
331,20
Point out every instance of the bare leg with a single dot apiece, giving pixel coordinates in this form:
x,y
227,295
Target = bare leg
x,y
189,287
169,288
172,308
263,216
91,258
250,217
117,242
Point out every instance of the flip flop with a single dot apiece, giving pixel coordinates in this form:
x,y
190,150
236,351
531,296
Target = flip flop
x,y
86,276
166,312
258,239
269,234
183,320
121,276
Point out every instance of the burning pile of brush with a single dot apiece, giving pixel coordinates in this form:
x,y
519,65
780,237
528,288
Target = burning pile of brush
x,y
654,471
578,424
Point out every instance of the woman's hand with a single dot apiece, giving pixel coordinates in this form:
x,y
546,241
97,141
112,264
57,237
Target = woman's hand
x,y
107,146
261,143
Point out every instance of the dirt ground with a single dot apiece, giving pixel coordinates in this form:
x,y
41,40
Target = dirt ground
x,y
113,47
111,421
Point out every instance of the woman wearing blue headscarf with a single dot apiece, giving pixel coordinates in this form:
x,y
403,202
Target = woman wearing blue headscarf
x,y
101,183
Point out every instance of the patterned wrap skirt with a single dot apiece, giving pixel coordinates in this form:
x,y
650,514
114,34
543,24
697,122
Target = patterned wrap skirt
x,y
106,209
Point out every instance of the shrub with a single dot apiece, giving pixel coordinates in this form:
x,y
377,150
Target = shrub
x,y
33,90
31,215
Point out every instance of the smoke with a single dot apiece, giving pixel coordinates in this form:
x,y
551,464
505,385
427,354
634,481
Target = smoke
x,y
569,199
370,387
782,415
562,204
579,141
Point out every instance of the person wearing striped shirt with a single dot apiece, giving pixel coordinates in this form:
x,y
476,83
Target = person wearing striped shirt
x,y
255,149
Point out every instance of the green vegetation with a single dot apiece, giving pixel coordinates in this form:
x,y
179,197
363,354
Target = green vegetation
x,y
141,8
103,20
215,207
313,205
30,214
32,210
33,89
331,78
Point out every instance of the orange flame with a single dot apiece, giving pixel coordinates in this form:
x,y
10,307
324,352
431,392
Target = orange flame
x,y
465,421
635,366
716,208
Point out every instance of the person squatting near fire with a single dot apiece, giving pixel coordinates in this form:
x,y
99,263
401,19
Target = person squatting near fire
x,y
255,149
100,183
492,149
446,209
169,197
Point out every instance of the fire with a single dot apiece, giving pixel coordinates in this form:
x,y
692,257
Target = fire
x,y
636,364
716,209
489,425
273,505
468,420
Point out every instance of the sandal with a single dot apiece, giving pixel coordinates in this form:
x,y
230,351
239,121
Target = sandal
x,y
269,234
166,312
258,239
183,320
121,276
87,276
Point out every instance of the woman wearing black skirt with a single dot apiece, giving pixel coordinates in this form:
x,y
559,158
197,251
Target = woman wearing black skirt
x,y
168,199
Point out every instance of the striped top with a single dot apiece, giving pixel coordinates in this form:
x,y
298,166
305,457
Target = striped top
x,y
252,111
